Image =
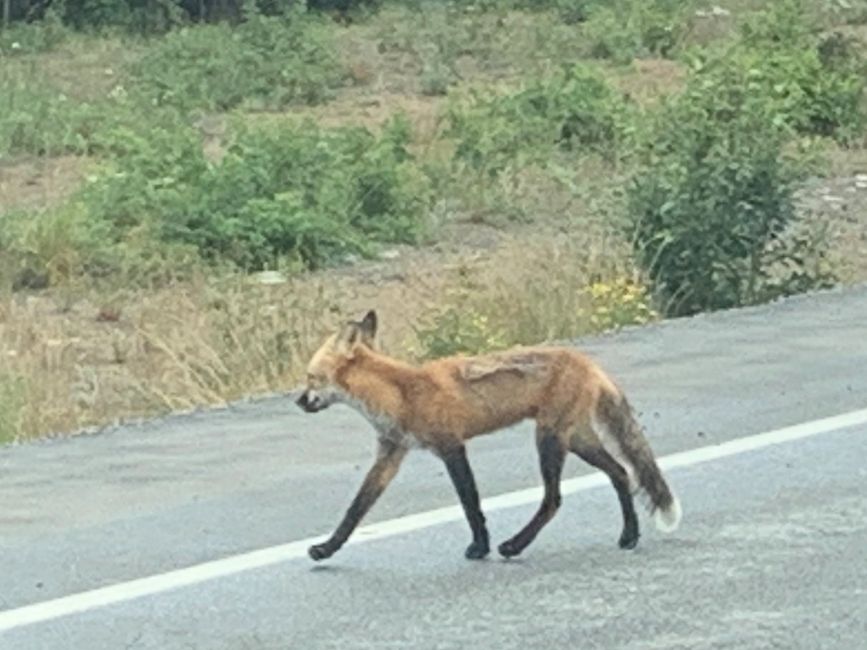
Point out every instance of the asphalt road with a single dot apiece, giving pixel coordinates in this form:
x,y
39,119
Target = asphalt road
x,y
770,553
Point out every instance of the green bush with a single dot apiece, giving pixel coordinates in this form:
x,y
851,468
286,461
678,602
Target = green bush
x,y
30,38
575,110
713,208
270,60
283,191
301,190
817,82
38,119
625,29
154,175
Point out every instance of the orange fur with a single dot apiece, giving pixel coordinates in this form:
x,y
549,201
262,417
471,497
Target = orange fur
x,y
441,404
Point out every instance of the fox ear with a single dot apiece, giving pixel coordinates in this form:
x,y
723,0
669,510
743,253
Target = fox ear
x,y
363,330
368,325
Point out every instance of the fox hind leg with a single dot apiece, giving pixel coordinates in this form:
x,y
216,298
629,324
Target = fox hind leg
x,y
552,454
601,459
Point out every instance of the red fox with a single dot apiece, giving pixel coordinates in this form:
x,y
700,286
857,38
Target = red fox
x,y
442,404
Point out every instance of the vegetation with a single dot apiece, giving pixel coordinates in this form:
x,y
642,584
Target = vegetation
x,y
574,110
624,29
719,150
266,61
188,190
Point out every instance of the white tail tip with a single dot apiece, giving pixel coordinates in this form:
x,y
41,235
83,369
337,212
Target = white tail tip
x,y
668,519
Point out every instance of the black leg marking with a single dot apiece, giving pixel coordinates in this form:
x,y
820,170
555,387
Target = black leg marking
x,y
601,459
551,458
462,478
378,477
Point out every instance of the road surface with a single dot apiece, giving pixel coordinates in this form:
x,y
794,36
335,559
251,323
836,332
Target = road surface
x,y
189,531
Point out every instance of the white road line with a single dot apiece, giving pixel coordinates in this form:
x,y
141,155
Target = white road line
x,y
126,591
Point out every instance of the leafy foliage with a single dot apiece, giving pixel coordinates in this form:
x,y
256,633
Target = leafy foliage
x,y
288,190
713,206
574,110
28,38
816,82
625,29
36,118
272,60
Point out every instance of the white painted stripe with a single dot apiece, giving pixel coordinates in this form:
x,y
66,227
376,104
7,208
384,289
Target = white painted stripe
x,y
126,591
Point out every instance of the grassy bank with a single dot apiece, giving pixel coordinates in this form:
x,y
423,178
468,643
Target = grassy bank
x,y
483,174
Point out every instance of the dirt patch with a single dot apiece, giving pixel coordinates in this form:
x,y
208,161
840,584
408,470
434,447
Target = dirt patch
x,y
34,183
648,80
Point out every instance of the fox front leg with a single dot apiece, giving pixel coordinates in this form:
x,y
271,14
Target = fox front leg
x,y
462,477
388,460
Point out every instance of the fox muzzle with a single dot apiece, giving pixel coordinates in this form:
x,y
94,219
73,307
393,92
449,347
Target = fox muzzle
x,y
312,402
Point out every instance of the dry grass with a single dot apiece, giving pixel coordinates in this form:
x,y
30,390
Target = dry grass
x,y
67,362
34,183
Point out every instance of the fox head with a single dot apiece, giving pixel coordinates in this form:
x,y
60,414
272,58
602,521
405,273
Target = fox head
x,y
339,348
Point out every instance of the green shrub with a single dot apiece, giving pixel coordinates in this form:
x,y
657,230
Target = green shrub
x,y
31,38
574,110
270,60
35,118
288,190
38,119
713,208
816,81
625,29
154,175
300,190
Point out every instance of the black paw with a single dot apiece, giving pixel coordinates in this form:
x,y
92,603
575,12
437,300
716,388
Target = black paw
x,y
628,541
477,550
509,549
320,551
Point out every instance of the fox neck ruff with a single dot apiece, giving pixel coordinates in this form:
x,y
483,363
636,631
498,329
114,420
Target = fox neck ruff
x,y
374,382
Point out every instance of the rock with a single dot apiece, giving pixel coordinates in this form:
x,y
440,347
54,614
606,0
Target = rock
x,y
269,277
391,254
